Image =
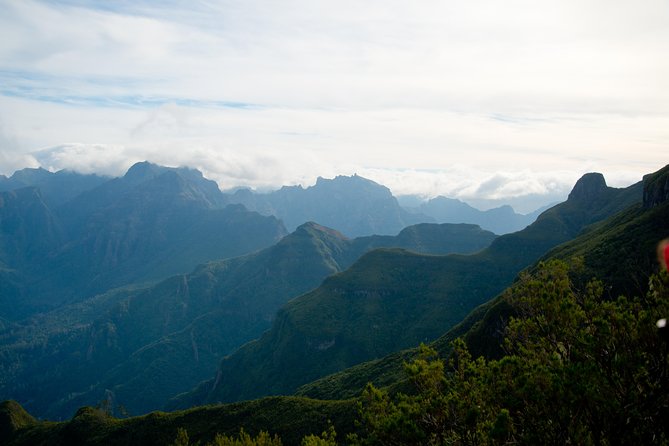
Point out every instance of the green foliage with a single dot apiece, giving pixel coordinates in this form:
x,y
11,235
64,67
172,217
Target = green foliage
x,y
13,418
135,341
404,297
620,250
244,439
579,369
289,418
327,438
182,438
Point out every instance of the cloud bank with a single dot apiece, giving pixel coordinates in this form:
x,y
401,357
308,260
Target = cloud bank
x,y
481,100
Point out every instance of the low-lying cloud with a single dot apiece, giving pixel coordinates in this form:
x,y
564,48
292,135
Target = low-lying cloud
x,y
480,100
525,190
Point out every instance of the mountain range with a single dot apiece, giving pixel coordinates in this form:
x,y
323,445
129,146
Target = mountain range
x,y
392,299
500,220
339,313
66,237
357,206
149,224
132,343
619,250
56,188
354,205
618,246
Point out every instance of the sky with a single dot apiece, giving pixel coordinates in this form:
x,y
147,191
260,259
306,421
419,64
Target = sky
x,y
482,100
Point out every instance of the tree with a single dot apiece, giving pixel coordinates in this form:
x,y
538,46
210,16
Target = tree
x,y
578,369
327,438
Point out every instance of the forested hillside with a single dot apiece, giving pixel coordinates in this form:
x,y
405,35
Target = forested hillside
x,y
391,300
590,345
601,355
129,346
620,251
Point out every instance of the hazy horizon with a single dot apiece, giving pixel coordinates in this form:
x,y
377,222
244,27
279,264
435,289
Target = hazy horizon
x,y
524,204
483,101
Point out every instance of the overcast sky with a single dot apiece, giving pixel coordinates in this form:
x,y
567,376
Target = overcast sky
x,y
481,99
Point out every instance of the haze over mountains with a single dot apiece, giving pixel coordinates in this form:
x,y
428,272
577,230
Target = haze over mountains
x,y
500,220
67,236
357,206
70,236
151,223
146,225
391,300
156,290
134,346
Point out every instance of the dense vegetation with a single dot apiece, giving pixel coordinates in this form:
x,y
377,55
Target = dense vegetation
x,y
578,369
290,418
559,357
620,250
391,300
129,346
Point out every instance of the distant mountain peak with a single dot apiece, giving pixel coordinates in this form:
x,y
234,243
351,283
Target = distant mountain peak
x,y
588,187
143,170
147,170
30,175
352,186
291,188
311,226
347,179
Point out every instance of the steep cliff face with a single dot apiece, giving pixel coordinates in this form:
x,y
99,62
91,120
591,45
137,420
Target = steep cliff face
x,y
353,205
589,187
656,188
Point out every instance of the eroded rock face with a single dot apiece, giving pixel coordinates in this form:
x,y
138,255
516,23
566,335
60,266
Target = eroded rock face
x,y
588,187
656,188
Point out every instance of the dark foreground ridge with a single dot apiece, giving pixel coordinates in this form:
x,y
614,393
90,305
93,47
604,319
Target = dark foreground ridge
x,y
291,418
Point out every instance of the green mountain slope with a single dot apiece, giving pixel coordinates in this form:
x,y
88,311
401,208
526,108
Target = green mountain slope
x,y
620,250
635,228
390,300
139,347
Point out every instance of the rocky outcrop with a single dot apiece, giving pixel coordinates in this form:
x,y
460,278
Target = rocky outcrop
x,y
656,188
589,187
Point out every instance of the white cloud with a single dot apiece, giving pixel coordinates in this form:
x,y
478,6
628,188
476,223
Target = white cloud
x,y
104,159
12,157
479,99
